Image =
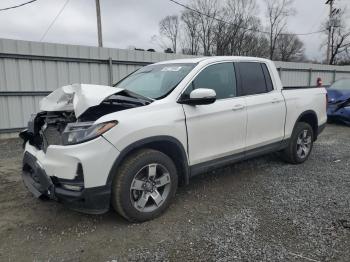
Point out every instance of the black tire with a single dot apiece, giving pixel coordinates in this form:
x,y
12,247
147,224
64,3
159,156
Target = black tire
x,y
290,154
122,194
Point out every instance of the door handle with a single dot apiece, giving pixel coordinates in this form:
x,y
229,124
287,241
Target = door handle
x,y
238,107
275,101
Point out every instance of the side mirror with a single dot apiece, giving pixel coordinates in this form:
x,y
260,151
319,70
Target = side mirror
x,y
200,96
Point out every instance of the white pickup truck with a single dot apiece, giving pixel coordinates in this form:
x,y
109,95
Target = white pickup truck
x,y
131,145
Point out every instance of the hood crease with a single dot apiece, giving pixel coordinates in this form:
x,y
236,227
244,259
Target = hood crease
x,y
77,98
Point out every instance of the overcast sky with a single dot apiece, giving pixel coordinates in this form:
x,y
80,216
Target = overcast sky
x,y
129,22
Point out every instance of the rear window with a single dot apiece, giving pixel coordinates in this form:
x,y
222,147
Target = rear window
x,y
255,78
268,80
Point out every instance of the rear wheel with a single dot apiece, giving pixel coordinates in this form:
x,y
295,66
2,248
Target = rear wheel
x,y
300,145
144,186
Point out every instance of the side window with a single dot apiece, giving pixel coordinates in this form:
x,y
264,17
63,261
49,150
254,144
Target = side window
x,y
252,78
219,77
268,80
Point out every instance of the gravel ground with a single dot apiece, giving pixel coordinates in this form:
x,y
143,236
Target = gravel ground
x,y
262,209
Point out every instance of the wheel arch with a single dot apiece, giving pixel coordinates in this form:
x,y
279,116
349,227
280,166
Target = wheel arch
x,y
309,117
165,144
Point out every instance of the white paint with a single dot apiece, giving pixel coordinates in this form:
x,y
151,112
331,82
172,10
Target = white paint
x,y
202,93
96,156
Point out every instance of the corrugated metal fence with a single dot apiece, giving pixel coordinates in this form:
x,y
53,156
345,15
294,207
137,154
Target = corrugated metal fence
x,y
304,74
30,70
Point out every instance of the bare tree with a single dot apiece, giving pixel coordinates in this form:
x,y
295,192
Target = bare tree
x,y
340,38
289,48
233,27
207,12
190,21
277,12
169,28
245,24
237,31
255,45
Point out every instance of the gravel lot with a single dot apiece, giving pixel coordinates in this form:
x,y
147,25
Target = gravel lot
x,y
262,209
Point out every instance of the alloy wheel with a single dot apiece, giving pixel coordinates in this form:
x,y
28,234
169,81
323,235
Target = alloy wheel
x,y
150,187
304,143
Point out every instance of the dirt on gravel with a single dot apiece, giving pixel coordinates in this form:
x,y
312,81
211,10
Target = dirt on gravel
x,y
262,209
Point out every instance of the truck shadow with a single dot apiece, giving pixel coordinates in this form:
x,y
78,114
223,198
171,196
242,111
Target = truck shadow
x,y
204,187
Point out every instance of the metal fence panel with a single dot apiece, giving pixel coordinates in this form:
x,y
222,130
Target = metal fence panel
x,y
342,75
29,70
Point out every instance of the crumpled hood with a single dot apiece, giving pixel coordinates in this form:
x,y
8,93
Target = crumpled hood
x,y
77,98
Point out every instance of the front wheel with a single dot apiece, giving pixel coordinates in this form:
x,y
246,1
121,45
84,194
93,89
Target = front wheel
x,y
300,145
144,186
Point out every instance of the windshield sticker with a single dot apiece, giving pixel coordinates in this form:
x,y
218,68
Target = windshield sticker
x,y
172,69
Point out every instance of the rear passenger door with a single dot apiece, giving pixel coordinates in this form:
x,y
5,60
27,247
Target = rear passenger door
x,y
265,106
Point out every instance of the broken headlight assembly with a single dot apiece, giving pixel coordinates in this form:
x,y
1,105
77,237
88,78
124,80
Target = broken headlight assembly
x,y
76,133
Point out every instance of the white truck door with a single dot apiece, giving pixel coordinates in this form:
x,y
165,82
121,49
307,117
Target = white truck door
x,y
266,108
218,129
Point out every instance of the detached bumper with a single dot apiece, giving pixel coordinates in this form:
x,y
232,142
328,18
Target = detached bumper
x,y
88,200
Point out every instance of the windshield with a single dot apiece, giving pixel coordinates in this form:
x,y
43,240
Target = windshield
x,y
343,84
155,81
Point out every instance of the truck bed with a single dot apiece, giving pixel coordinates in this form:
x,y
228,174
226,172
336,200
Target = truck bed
x,y
304,99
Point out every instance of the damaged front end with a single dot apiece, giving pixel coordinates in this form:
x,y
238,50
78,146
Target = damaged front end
x,y
46,128
69,113
54,169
